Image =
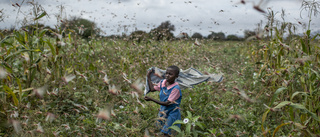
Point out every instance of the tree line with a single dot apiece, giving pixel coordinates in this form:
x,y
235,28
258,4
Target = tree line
x,y
87,29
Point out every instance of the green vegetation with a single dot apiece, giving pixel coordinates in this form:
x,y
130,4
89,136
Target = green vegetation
x,y
83,27
57,83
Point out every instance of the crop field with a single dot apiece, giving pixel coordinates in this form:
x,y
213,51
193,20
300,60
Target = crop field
x,y
54,83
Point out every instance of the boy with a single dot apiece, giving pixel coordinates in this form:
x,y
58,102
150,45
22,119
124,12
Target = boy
x,y
170,98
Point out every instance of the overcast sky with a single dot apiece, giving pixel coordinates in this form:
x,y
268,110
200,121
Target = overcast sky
x,y
190,16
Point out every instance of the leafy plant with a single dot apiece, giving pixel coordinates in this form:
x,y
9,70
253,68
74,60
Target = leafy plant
x,y
191,125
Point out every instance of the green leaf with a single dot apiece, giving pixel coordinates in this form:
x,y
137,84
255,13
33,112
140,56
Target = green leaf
x,y
275,95
304,49
176,128
188,128
194,119
15,54
69,35
43,32
308,32
213,131
297,106
36,50
7,43
7,37
7,67
20,38
199,124
315,72
278,127
195,134
264,116
310,133
315,37
282,104
41,15
189,114
178,122
296,93
10,92
51,48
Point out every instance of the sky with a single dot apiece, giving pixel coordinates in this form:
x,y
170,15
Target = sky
x,y
115,17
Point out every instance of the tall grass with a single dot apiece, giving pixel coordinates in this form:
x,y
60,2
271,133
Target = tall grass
x,y
60,84
289,71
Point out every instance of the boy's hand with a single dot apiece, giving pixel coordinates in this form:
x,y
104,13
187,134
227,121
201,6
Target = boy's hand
x,y
147,98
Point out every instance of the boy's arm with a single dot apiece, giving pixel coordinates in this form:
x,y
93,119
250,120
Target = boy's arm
x,y
149,81
167,103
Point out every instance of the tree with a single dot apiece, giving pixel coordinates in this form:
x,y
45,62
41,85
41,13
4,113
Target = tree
x,y
249,33
83,27
167,26
138,36
217,36
197,35
163,31
233,37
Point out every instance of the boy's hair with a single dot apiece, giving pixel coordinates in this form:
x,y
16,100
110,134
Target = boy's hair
x,y
176,69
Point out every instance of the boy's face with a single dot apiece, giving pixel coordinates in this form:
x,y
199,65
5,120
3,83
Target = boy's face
x,y
171,75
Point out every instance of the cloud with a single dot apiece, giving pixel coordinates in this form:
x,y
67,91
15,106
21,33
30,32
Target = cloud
x,y
203,16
